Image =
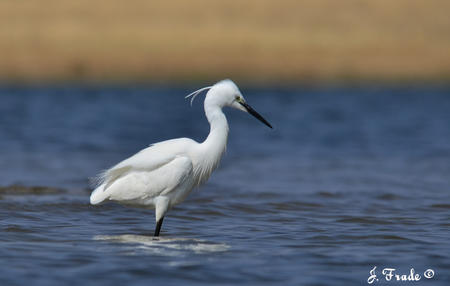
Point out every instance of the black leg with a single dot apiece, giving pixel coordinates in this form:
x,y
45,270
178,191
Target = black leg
x,y
158,226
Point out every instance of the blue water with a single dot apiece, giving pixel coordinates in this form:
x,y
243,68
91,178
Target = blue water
x,y
350,178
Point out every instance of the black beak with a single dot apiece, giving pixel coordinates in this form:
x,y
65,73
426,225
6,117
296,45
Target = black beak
x,y
256,114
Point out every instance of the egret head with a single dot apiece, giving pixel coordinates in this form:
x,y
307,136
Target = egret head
x,y
226,93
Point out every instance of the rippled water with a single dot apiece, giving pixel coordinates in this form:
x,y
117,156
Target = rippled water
x,y
349,179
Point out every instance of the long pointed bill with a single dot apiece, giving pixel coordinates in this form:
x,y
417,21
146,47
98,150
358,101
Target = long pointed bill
x,y
254,113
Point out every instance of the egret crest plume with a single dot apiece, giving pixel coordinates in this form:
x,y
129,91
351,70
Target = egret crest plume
x,y
197,92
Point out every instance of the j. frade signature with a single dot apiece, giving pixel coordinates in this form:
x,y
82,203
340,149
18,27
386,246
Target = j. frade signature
x,y
391,274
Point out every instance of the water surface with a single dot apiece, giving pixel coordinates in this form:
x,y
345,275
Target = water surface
x,y
349,179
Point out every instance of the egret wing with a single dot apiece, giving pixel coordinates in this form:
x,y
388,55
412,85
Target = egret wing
x,y
144,161
153,170
150,158
145,171
140,186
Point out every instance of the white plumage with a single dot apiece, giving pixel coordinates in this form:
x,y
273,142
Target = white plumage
x,y
163,174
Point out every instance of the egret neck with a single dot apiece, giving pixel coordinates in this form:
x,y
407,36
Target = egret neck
x,y
215,144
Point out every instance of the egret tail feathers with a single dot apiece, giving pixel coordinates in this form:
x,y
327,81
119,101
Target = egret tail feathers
x,y
98,195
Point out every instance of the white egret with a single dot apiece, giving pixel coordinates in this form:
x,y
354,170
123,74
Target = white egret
x,y
163,174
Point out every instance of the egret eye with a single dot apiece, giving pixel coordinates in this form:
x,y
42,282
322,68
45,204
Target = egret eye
x,y
238,98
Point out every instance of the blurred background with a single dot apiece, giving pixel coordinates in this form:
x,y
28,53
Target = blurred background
x,y
252,41
355,173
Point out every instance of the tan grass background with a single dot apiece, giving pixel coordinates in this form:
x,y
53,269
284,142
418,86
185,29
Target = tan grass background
x,y
269,41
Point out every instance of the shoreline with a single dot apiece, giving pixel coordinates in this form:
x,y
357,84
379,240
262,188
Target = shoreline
x,y
264,41
244,83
